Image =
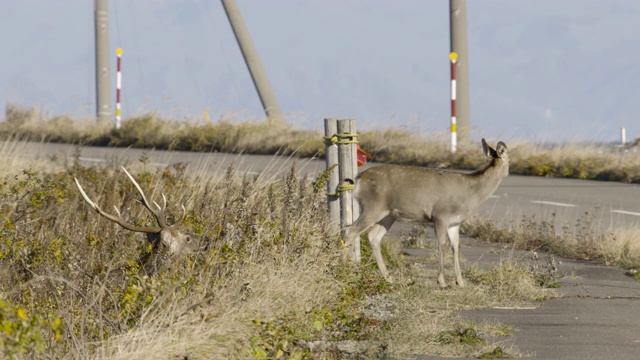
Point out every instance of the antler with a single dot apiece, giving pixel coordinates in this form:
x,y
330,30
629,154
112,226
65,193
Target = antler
x,y
158,213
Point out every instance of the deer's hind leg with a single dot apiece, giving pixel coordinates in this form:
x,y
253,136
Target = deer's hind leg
x,y
454,238
375,236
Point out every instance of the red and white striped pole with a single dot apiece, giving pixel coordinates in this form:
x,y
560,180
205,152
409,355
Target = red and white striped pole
x,y
454,135
118,86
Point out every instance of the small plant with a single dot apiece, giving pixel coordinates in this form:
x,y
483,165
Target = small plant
x,y
546,274
505,330
497,353
22,333
460,335
634,273
510,280
275,340
415,238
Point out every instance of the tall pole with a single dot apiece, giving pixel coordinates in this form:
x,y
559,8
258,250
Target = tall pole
x,y
103,97
348,171
458,35
118,87
454,124
331,157
251,58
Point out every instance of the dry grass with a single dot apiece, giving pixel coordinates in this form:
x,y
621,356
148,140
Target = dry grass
x,y
581,240
577,160
150,131
427,318
222,328
271,282
573,160
13,161
402,147
78,273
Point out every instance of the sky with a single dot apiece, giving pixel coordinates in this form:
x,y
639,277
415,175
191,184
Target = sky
x,y
541,70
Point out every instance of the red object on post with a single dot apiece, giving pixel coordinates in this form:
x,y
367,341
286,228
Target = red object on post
x,y
363,156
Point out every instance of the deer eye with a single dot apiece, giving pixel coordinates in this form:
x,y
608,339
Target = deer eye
x,y
188,239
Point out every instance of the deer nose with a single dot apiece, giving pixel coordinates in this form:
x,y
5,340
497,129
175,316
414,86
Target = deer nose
x,y
206,242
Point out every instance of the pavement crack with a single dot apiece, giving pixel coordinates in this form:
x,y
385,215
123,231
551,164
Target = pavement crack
x,y
585,290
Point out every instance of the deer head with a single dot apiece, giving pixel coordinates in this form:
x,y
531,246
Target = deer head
x,y
168,243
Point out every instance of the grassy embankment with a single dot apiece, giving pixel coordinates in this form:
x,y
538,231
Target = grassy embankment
x,y
271,283
581,161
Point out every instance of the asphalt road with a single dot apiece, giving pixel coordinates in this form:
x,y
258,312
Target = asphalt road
x,y
603,205
592,316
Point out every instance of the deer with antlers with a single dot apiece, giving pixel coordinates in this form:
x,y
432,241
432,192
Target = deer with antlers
x,y
168,243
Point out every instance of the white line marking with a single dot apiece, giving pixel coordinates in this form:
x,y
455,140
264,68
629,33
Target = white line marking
x,y
494,197
103,160
90,159
625,212
515,307
552,203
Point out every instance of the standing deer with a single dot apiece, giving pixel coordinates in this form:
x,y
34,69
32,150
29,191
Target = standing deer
x,y
168,243
388,193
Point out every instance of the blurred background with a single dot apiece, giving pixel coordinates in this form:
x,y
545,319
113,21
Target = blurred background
x,y
540,70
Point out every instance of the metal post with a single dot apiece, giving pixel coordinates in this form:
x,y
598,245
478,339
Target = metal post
x,y
251,58
103,100
118,86
331,155
354,165
458,34
623,136
348,172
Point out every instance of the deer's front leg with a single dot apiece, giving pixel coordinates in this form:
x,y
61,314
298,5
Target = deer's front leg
x,y
441,239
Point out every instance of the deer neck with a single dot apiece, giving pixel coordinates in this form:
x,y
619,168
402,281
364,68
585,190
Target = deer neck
x,y
488,178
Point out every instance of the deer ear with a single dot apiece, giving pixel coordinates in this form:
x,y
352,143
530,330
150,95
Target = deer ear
x,y
501,149
488,150
485,147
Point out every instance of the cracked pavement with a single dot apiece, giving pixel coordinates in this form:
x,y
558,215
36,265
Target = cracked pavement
x,y
596,314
